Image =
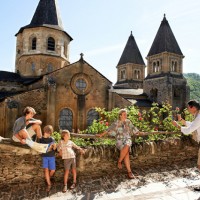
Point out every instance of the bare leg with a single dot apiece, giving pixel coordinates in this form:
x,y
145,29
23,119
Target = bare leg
x,y
74,174
22,135
51,173
123,153
37,129
128,166
127,162
47,176
74,178
66,174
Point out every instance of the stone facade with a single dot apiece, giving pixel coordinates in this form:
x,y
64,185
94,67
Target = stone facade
x,y
39,60
167,88
130,74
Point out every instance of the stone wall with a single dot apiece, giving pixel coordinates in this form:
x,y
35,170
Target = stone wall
x,y
20,164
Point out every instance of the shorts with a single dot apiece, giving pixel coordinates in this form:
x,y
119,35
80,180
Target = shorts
x,y
121,143
49,162
70,162
30,131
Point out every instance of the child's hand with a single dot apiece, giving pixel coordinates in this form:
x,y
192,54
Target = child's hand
x,y
82,151
174,123
99,135
54,146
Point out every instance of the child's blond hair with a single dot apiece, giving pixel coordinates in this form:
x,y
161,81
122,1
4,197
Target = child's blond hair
x,y
63,133
48,129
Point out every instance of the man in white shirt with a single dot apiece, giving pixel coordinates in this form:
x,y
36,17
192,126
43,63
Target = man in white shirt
x,y
193,127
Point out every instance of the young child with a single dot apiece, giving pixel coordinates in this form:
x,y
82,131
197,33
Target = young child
x,y
48,159
65,146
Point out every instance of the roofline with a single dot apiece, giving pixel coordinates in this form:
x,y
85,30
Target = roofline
x,y
28,27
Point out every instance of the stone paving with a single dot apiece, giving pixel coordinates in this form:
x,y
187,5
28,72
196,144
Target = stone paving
x,y
158,183
175,182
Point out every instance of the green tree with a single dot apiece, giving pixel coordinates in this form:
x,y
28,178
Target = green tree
x,y
193,81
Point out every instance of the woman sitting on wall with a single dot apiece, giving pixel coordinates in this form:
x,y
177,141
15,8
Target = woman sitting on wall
x,y
122,129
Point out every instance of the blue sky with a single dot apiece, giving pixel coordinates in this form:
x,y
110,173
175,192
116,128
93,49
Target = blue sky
x,y
100,29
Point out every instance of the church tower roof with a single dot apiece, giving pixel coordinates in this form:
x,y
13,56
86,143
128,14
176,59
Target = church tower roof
x,y
165,40
47,15
131,53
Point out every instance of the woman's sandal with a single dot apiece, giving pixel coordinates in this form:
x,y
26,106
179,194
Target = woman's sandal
x,y
130,175
64,189
73,186
119,164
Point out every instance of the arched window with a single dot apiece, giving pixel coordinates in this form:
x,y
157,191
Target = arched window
x,y
51,44
174,66
91,116
154,67
158,66
123,74
66,119
137,74
32,67
34,43
49,67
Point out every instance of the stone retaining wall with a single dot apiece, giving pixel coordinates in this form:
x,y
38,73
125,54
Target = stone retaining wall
x,y
20,164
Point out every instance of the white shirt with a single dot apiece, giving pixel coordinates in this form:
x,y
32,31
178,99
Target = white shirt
x,y
192,126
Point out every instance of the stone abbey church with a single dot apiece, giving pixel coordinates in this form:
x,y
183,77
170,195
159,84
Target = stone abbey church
x,y
65,94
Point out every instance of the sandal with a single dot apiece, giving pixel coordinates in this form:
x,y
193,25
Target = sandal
x,y
119,165
73,186
130,175
48,188
64,189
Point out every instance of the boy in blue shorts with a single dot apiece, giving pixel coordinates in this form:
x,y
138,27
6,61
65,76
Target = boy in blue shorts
x,y
48,159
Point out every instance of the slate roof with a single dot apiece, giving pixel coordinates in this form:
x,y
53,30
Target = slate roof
x,y
5,94
165,40
14,77
131,53
47,15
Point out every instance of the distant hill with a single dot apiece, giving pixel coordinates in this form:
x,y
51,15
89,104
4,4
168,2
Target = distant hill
x,y
193,81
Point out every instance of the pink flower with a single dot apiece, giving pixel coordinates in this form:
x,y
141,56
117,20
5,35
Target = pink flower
x,y
107,123
139,114
140,118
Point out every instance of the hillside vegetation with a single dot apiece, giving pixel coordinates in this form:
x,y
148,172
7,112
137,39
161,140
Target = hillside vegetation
x,y
193,80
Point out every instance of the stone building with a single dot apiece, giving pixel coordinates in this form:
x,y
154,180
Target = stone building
x,y
164,80
65,94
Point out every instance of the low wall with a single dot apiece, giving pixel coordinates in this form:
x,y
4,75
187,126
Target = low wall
x,y
20,164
